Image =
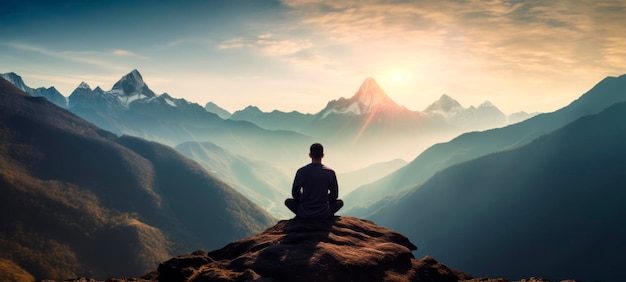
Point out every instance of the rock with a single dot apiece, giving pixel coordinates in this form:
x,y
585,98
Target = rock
x,y
338,249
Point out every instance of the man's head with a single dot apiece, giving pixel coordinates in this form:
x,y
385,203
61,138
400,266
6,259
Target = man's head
x,y
316,151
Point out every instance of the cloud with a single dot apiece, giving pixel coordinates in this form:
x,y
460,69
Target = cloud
x,y
234,43
533,36
126,53
85,57
268,45
274,47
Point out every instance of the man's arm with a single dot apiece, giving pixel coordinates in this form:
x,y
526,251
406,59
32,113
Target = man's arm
x,y
334,188
295,187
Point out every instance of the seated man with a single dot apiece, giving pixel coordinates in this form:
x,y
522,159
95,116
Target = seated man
x,y
315,189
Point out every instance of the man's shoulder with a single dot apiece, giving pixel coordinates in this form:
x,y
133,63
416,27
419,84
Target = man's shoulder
x,y
325,167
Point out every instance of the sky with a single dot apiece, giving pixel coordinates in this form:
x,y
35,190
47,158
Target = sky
x,y
533,56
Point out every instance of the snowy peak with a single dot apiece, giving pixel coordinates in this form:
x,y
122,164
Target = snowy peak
x,y
369,98
17,81
132,84
51,94
84,85
444,104
371,95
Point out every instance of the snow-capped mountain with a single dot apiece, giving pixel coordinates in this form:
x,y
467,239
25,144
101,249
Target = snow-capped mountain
x,y
369,98
131,87
129,93
50,93
486,115
132,108
445,106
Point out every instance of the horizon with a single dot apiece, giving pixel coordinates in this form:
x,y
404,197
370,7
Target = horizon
x,y
531,57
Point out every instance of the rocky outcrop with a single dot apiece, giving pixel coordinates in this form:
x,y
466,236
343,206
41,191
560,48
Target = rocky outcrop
x,y
338,249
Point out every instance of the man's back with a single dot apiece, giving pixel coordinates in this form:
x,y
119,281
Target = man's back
x,y
316,181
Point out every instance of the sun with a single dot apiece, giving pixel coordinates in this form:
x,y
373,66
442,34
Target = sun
x,y
397,77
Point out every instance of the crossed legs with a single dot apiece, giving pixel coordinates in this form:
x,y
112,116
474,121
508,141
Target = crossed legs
x,y
334,206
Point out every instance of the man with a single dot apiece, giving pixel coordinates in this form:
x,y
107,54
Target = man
x,y
315,189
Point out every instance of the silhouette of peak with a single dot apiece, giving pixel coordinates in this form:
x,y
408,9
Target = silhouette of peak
x,y
131,84
84,85
371,94
445,104
339,249
486,104
16,80
252,109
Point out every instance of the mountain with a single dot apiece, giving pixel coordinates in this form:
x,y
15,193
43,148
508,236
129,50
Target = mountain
x,y
131,108
340,249
370,98
484,117
76,200
50,93
550,208
219,111
520,116
132,87
275,120
260,181
371,119
468,146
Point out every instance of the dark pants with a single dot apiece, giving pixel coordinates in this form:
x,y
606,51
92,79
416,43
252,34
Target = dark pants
x,y
334,206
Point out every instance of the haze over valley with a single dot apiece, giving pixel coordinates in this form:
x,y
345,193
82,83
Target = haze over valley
x,y
256,152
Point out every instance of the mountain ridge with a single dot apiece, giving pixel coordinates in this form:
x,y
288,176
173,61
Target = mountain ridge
x,y
72,191
471,145
557,198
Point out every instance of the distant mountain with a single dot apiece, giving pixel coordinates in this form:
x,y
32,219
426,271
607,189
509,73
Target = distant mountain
x,y
551,208
371,103
219,111
368,198
131,108
76,200
260,181
370,98
484,117
50,93
275,120
520,116
371,119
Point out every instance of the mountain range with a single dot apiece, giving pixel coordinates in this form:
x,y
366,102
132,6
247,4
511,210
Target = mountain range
x,y
371,119
346,127
551,206
131,108
79,200
472,145
51,93
537,197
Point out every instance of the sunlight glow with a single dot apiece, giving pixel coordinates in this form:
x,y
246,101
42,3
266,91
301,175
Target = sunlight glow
x,y
397,77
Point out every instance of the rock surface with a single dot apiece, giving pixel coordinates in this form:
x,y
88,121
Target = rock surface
x,y
338,249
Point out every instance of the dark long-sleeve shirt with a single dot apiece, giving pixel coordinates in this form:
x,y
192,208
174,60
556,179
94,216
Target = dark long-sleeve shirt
x,y
314,186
